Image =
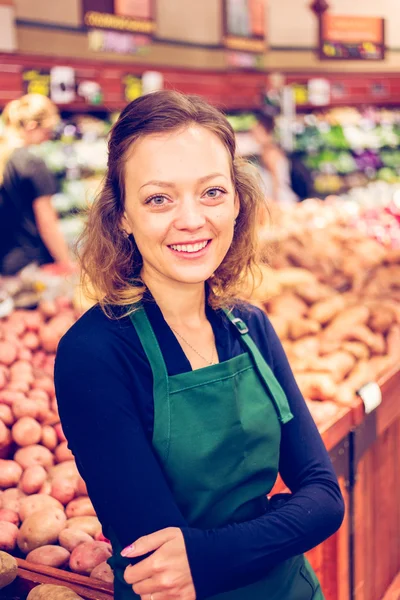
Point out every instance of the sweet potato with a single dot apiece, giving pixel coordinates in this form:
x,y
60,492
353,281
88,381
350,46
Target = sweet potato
x,y
49,555
85,557
301,327
359,376
338,364
36,503
345,322
287,305
71,538
90,525
25,407
80,507
47,591
11,499
40,529
26,432
8,536
357,349
11,516
63,490
10,473
374,341
103,572
326,310
317,292
281,325
8,569
34,455
317,386
381,319
32,479
307,346
393,342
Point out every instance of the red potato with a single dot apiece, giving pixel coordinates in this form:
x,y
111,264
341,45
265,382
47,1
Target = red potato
x,y
64,491
43,409
6,415
33,320
49,437
11,499
46,488
8,353
36,503
49,555
40,529
10,473
4,434
26,432
60,432
100,537
80,507
48,309
46,384
38,358
24,354
39,395
11,516
9,397
33,479
24,407
66,470
103,572
71,538
81,488
63,453
18,386
8,536
34,455
85,557
30,340
3,377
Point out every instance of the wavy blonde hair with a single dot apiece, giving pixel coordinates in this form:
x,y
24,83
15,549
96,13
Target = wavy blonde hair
x,y
17,114
111,263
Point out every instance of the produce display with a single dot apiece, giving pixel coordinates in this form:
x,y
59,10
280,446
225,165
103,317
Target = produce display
x,y
333,296
46,515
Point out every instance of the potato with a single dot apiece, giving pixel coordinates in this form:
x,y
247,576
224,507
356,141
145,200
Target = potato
x,y
32,479
49,555
62,453
40,529
18,386
47,591
8,569
103,572
60,432
38,395
85,557
46,488
4,435
71,538
11,516
24,407
6,415
34,455
30,340
64,491
26,432
67,469
10,473
49,437
9,397
36,503
11,499
8,353
80,507
46,384
8,536
81,488
90,525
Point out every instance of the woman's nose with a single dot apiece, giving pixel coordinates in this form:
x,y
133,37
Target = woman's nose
x,y
191,216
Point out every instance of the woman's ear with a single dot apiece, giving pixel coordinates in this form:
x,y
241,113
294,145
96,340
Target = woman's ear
x,y
125,224
237,205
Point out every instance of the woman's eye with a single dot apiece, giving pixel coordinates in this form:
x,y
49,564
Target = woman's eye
x,y
215,193
156,200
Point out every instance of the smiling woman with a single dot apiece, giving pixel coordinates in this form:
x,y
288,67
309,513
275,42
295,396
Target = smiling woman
x,y
177,399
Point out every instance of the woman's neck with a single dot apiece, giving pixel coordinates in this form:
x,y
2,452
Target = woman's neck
x,y
180,304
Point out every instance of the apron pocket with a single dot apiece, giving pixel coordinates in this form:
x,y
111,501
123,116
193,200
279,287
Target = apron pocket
x,y
307,583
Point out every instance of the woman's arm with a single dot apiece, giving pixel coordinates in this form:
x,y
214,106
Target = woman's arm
x,y
49,230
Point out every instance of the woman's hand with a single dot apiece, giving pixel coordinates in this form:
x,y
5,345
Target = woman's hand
x,y
165,574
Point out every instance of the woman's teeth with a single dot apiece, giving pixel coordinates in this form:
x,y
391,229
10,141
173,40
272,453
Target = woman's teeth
x,y
189,247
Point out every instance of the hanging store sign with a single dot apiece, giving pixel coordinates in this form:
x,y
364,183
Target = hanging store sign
x,y
134,16
245,25
115,41
351,38
36,81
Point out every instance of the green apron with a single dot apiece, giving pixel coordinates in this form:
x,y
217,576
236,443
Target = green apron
x,y
217,433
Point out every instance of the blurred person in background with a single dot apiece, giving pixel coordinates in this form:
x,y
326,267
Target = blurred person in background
x,y
29,226
275,166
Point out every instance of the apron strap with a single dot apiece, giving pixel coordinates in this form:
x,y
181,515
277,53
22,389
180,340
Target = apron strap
x,y
273,386
154,355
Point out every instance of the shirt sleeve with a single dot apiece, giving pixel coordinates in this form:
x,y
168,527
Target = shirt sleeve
x,y
39,181
237,555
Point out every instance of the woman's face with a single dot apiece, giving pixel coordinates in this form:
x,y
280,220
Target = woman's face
x,y
180,204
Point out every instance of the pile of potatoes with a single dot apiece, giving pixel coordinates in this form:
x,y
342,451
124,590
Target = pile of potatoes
x,y
46,515
333,297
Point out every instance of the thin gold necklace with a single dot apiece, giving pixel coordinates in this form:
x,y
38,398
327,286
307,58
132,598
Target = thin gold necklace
x,y
194,349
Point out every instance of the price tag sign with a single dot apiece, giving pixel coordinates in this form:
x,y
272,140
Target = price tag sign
x,y
36,81
371,395
133,87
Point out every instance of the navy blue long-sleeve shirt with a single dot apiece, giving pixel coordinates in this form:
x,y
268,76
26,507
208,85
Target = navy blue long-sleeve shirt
x,y
104,390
